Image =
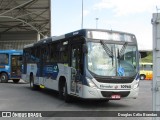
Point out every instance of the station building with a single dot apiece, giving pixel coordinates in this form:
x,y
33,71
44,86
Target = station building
x,y
23,22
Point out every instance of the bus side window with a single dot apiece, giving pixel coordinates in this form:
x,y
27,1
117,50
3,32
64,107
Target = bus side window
x,y
144,68
4,58
141,66
64,52
54,52
46,56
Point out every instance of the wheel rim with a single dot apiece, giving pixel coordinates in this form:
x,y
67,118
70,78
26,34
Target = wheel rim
x,y
142,77
3,77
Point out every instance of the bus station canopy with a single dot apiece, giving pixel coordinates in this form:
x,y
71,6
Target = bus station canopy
x,y
25,15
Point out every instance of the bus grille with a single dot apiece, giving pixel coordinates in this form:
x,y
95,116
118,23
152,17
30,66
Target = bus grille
x,y
108,94
114,80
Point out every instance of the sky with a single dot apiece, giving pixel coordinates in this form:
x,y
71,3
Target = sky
x,y
132,16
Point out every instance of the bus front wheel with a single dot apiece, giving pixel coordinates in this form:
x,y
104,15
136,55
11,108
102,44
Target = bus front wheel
x,y
63,93
142,77
67,97
3,77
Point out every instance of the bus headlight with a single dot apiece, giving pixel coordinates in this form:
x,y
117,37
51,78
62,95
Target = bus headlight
x,y
136,85
91,83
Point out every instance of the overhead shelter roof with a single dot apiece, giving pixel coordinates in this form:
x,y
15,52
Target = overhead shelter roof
x,y
25,15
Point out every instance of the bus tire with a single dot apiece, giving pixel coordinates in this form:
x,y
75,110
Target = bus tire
x,y
61,89
4,77
142,77
32,85
16,80
67,97
63,93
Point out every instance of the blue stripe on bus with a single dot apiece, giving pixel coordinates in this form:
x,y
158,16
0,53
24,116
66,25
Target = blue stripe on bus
x,y
51,71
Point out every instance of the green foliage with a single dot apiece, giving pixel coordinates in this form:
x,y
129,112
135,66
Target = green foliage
x,y
148,58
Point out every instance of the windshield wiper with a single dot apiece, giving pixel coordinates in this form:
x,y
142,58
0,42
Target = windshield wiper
x,y
121,52
107,50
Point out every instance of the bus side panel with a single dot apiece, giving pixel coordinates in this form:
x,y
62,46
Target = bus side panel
x,y
5,64
64,71
49,83
25,77
31,69
52,74
39,80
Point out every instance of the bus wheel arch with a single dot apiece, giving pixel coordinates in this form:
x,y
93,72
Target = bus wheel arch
x,y
142,76
63,92
4,77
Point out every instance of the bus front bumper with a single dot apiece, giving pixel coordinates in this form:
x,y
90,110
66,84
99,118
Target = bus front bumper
x,y
94,93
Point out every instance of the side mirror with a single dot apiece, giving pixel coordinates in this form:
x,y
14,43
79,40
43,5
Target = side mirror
x,y
85,48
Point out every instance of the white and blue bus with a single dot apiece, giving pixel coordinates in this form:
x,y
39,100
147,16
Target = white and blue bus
x,y
10,65
88,63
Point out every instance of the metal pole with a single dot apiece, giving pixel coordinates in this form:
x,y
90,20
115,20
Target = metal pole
x,y
97,22
82,15
38,37
156,61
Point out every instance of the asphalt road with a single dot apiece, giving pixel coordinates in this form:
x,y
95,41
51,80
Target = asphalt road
x,y
19,97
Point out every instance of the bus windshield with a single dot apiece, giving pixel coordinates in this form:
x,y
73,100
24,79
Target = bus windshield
x,y
106,59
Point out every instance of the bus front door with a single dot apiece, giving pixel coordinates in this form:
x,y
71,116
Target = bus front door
x,y
76,72
16,65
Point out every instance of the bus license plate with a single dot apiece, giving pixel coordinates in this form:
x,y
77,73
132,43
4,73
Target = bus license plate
x,y
116,97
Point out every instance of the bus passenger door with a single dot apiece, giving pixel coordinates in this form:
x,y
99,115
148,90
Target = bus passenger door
x,y
76,70
16,65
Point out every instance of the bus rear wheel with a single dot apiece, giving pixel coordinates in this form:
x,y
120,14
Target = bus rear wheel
x,y
16,80
32,85
3,77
